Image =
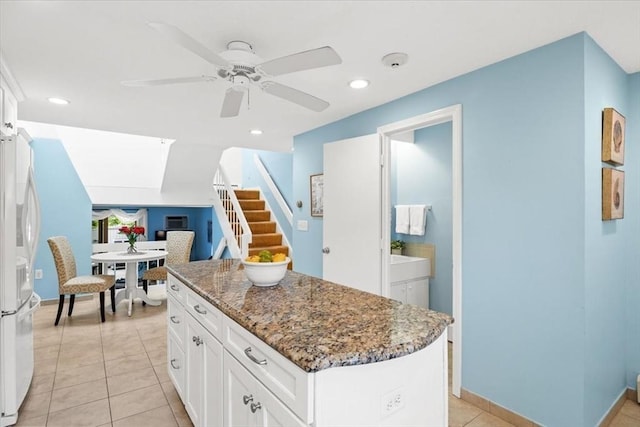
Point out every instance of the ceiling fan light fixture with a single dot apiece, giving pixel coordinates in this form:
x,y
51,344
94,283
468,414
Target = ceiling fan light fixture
x,y
58,101
256,132
358,84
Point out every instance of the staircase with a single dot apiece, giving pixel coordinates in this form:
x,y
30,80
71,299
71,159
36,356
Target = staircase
x,y
262,228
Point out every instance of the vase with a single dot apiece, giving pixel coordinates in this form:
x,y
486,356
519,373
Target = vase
x,y
132,248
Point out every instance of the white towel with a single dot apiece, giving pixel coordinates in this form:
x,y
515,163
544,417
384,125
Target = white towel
x,y
417,219
402,219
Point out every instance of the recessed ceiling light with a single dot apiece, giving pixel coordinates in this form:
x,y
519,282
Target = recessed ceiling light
x,y
58,101
256,132
359,83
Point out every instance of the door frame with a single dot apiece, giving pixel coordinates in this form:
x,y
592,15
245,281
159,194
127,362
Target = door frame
x,y
451,114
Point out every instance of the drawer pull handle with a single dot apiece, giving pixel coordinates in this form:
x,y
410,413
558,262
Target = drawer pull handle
x,y
197,340
173,364
199,310
175,288
255,407
174,320
247,352
246,399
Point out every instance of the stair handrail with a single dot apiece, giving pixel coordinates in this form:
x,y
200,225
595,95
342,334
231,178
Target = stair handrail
x,y
238,238
277,195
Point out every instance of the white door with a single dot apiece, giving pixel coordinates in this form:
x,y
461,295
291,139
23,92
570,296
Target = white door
x,y
352,213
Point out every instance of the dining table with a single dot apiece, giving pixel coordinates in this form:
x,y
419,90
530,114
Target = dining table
x,y
131,290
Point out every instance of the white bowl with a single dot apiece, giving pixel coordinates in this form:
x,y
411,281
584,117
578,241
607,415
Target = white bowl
x,y
265,273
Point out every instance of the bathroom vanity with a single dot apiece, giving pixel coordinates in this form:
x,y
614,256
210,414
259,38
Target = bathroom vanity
x,y
304,352
410,280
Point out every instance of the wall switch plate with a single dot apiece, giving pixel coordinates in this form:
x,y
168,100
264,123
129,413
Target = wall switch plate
x,y
38,274
302,225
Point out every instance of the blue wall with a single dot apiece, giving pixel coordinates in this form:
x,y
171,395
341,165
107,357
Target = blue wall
x,y
525,212
421,174
607,269
279,166
65,211
632,214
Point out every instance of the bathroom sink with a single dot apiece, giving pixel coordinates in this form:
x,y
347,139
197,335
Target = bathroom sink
x,y
409,267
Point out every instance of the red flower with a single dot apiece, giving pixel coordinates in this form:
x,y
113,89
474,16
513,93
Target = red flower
x,y
131,230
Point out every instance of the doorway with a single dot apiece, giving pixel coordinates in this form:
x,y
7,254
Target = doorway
x,y
388,132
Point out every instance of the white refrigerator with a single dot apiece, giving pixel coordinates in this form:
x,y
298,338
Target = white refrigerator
x,y
19,228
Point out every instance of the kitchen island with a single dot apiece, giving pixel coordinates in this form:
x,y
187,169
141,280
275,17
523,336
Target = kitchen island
x,y
304,352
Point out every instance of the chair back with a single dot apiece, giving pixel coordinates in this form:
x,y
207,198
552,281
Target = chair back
x,y
179,245
64,259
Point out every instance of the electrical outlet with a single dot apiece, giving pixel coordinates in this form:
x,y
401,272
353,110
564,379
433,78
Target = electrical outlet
x,y
38,274
392,402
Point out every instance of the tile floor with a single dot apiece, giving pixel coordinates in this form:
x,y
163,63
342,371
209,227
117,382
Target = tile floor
x,y
89,373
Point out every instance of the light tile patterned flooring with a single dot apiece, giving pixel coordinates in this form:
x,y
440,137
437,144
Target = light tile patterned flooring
x,y
89,373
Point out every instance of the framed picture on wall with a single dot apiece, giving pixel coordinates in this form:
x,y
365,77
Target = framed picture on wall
x,y
612,137
316,192
612,194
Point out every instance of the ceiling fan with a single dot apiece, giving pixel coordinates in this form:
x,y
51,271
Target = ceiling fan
x,y
240,66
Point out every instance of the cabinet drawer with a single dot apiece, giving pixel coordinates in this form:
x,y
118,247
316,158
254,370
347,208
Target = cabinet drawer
x,y
205,313
283,378
176,319
176,364
248,402
176,289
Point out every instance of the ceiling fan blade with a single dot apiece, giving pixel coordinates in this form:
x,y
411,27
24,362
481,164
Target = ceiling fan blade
x,y
189,43
294,95
232,102
315,58
159,82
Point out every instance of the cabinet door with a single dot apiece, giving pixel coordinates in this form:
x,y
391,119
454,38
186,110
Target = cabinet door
x,y
399,292
273,413
212,397
418,292
239,395
9,110
176,364
194,354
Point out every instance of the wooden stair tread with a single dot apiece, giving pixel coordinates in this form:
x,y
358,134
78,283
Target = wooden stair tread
x,y
260,227
247,194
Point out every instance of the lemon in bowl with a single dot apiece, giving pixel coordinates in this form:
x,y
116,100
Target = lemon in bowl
x,y
266,273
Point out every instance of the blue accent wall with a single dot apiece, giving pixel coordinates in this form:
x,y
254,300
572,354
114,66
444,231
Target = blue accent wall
x,y
65,211
421,174
632,214
531,228
608,244
279,166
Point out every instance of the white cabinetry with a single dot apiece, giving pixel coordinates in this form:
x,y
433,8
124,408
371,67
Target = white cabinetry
x,y
194,355
8,109
249,403
175,335
226,376
415,291
203,375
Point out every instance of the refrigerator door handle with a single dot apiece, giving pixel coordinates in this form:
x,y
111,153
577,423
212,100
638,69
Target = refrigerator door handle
x,y
32,238
33,307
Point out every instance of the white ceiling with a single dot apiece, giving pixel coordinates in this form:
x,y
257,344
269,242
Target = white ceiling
x,y
81,50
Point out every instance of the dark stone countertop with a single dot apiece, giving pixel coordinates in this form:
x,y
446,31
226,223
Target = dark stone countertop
x,y
314,323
